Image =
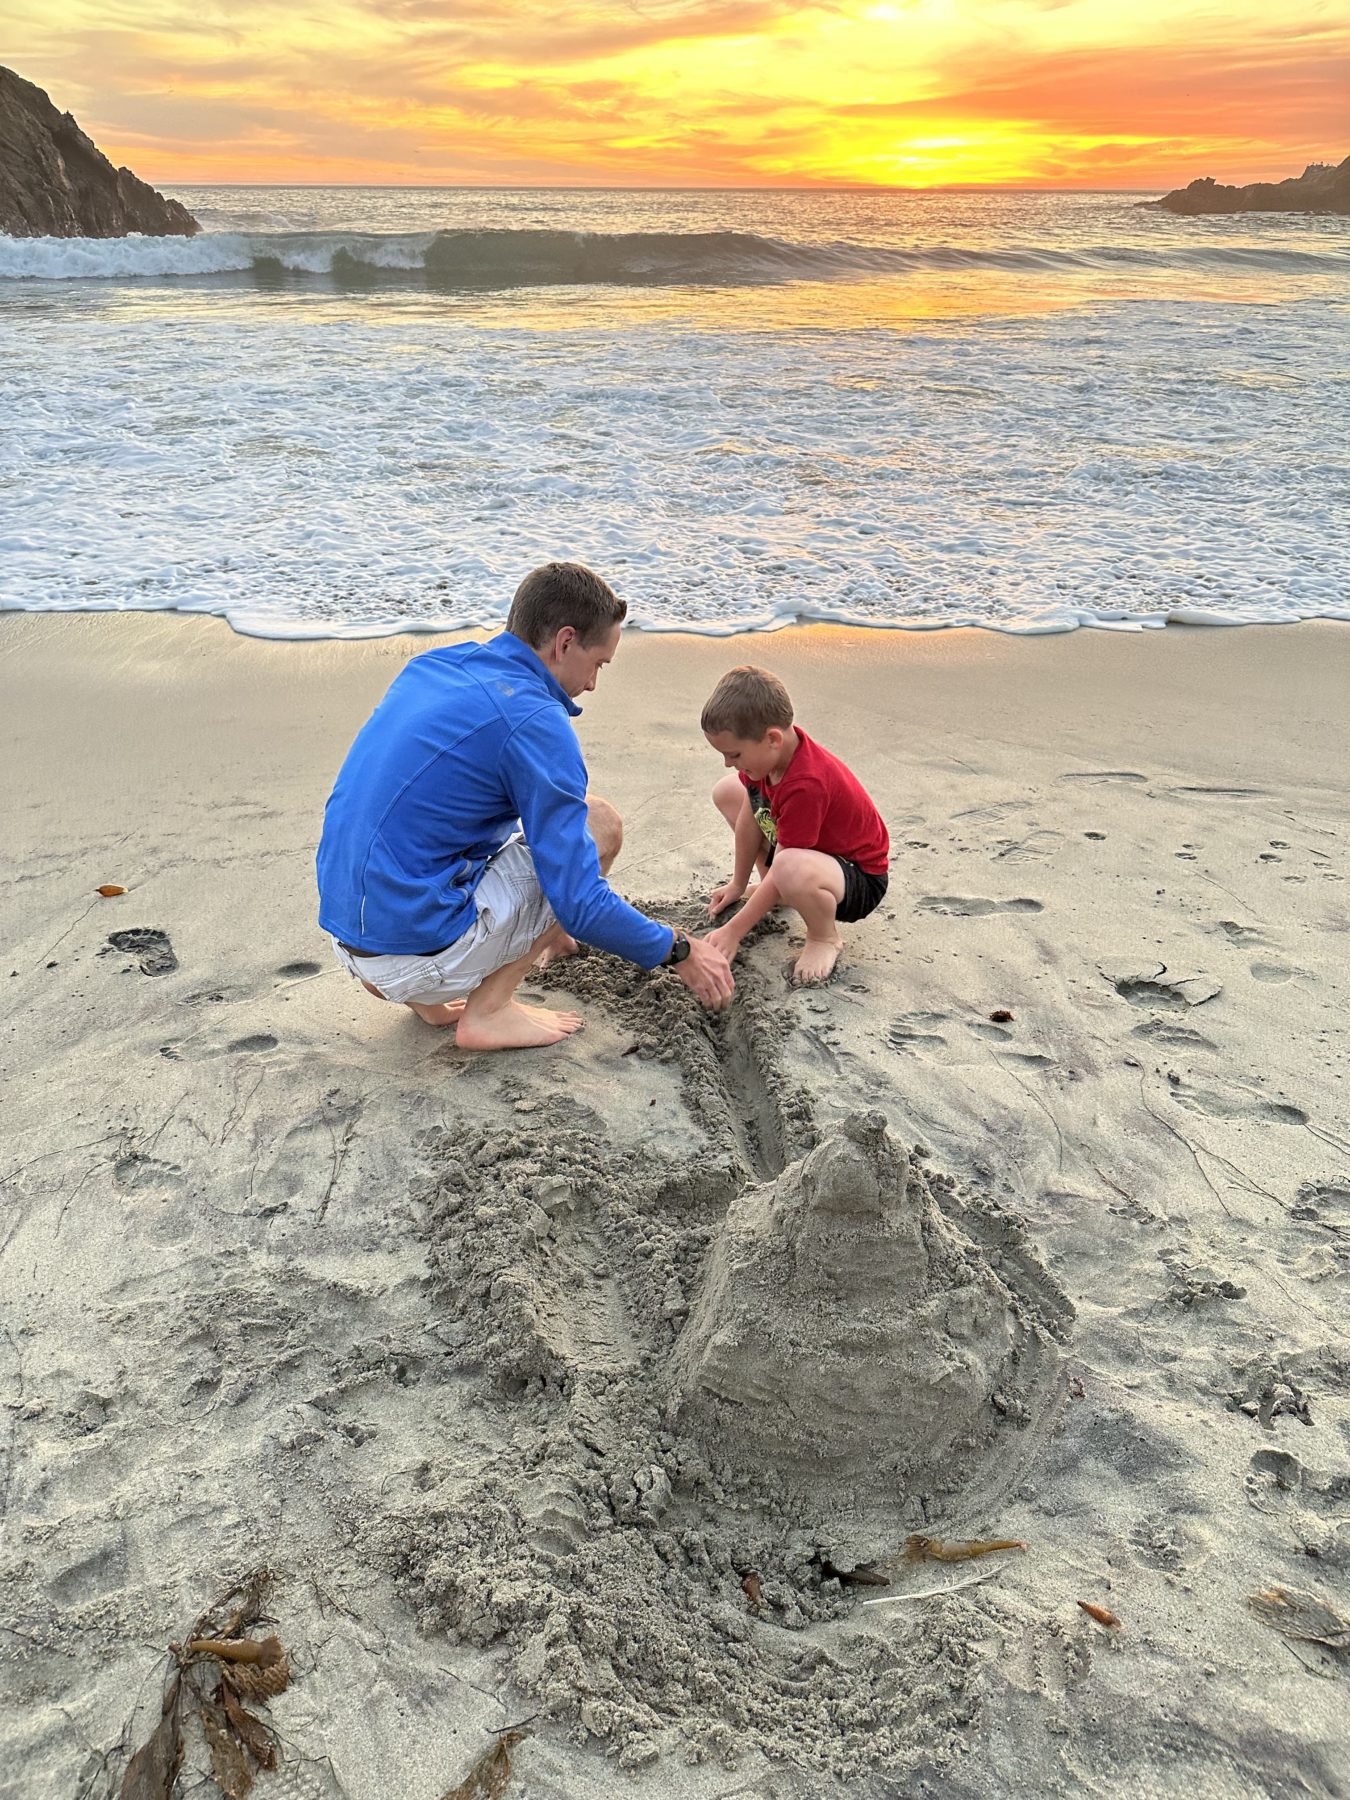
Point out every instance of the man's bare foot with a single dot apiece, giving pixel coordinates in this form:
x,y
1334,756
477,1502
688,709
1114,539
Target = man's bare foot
x,y
515,1027
817,960
444,1013
566,946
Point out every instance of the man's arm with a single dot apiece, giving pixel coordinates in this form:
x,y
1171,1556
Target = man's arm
x,y
545,775
546,778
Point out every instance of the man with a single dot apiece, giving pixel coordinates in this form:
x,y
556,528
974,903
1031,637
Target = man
x,y
459,846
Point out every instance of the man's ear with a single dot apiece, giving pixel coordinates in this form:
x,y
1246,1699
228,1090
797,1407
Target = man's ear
x,y
563,641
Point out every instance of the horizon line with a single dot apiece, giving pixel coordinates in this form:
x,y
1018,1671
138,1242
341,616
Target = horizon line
x,y
553,187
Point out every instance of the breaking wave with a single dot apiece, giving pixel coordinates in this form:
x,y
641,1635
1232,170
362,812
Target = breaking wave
x,y
509,258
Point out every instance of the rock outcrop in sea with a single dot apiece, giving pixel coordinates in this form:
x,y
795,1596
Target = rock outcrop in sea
x,y
56,182
1321,188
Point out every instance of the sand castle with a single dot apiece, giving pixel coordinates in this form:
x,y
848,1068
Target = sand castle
x,y
846,1331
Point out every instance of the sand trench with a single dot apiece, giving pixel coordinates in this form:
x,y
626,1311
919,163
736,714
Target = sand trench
x,y
776,1355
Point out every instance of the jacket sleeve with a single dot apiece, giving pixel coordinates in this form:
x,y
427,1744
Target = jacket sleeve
x,y
545,775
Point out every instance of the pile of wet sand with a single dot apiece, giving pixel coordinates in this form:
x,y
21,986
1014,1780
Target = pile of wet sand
x,y
733,1380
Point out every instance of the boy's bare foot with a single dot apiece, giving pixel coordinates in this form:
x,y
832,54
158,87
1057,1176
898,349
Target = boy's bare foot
x,y
445,1012
817,960
566,946
516,1027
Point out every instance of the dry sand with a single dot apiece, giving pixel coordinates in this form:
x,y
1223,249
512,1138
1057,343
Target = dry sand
x,y
512,1369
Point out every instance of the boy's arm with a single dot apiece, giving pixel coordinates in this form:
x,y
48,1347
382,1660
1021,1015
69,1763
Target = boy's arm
x,y
749,844
765,897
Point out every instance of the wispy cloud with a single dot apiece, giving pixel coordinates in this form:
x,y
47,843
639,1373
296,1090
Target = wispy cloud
x,y
687,91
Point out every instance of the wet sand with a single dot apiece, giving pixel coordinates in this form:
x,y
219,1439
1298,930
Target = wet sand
x,y
285,1278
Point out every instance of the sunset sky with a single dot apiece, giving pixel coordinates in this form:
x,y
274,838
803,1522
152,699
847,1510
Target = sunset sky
x,y
720,93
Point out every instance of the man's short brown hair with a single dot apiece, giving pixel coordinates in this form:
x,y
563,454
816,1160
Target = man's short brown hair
x,y
746,703
559,594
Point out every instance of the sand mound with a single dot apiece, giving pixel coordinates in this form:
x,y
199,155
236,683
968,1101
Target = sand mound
x,y
846,1332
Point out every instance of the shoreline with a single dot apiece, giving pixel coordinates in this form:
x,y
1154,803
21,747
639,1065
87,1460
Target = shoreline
x,y
1183,618
251,1318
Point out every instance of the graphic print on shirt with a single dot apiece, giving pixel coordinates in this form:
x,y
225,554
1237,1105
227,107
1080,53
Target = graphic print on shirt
x,y
759,806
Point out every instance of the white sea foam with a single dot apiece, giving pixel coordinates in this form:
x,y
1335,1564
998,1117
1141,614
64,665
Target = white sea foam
x,y
102,259
314,464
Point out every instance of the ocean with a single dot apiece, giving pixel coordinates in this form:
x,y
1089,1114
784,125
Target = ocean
x,y
348,412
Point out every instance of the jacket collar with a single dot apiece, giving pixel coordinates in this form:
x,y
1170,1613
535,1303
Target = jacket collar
x,y
519,654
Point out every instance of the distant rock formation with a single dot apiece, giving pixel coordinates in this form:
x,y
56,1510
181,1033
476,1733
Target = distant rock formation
x,y
1321,188
55,182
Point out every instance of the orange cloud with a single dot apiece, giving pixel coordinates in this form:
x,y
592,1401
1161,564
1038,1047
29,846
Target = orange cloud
x,y
700,92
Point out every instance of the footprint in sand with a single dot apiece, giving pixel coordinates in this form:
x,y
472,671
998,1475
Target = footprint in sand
x,y
962,906
1175,1037
1236,1103
1242,935
295,971
1027,1059
149,946
1323,1201
1035,844
915,1032
134,1172
261,1040
1157,986
1223,793
995,1034
999,809
1267,971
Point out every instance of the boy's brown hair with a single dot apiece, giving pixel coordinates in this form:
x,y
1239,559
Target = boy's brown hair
x,y
563,593
747,702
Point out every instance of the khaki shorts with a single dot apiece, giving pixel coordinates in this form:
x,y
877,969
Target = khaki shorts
x,y
512,915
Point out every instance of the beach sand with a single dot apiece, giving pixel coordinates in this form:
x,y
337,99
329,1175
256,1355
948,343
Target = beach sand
x,y
512,1369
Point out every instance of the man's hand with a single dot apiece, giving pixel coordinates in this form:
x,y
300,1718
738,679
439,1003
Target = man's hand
x,y
727,895
707,974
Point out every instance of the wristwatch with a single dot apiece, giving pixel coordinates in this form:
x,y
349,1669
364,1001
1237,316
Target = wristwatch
x,y
678,950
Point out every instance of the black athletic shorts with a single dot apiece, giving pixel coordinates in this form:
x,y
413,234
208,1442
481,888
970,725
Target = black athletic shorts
x,y
863,893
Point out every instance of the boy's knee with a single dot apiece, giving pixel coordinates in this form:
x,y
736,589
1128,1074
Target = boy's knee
x,y
796,870
728,794
789,869
606,825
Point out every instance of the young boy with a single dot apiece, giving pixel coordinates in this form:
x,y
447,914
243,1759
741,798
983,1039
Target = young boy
x,y
799,815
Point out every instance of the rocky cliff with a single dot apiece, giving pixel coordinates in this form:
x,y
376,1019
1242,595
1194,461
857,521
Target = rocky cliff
x,y
1321,188
55,182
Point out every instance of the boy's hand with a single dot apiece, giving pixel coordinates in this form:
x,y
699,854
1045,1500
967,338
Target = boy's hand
x,y
706,972
727,895
725,940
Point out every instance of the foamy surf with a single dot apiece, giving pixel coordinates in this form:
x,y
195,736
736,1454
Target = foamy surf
x,y
509,258
353,413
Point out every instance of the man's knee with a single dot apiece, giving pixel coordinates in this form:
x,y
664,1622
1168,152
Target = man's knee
x,y
606,825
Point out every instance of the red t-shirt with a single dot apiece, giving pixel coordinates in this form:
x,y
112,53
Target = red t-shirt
x,y
821,805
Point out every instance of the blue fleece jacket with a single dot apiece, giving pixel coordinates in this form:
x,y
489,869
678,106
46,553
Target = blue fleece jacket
x,y
469,744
